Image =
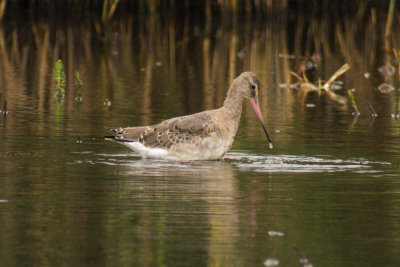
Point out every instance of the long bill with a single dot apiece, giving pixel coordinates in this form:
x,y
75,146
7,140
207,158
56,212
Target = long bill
x,y
257,110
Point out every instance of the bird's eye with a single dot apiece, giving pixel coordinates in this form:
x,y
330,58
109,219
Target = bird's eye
x,y
253,87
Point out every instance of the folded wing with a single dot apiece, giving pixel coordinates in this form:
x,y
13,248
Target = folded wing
x,y
182,130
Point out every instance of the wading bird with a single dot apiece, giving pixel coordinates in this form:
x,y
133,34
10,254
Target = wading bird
x,y
206,135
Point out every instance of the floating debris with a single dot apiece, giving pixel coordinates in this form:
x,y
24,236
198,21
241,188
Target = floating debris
x,y
304,262
324,89
142,69
385,88
310,105
367,75
277,131
275,233
158,64
395,116
271,262
3,200
339,72
107,102
79,140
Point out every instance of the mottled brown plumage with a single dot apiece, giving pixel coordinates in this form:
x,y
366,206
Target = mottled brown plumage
x,y
186,129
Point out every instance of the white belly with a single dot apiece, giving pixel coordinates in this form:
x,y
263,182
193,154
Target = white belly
x,y
210,148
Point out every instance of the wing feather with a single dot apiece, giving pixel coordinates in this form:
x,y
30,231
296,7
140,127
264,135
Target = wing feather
x,y
182,130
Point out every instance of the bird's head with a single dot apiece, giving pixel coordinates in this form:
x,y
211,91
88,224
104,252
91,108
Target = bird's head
x,y
247,85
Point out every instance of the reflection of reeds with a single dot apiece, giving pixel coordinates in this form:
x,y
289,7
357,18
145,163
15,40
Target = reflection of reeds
x,y
389,22
2,8
108,11
226,48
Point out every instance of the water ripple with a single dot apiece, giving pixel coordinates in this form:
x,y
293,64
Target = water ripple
x,y
243,161
300,163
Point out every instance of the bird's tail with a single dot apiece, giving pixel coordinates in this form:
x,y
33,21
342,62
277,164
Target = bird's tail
x,y
114,130
116,138
111,137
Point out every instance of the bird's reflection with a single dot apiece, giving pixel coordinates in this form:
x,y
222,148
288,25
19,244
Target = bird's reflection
x,y
186,197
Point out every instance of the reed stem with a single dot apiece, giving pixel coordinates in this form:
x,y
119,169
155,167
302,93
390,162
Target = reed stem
x,y
389,22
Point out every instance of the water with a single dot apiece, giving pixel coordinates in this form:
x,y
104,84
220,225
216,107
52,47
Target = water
x,y
326,195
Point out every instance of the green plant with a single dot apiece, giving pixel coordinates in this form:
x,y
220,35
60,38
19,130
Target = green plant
x,y
59,76
353,102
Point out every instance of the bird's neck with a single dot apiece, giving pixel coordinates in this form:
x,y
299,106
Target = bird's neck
x,y
233,103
